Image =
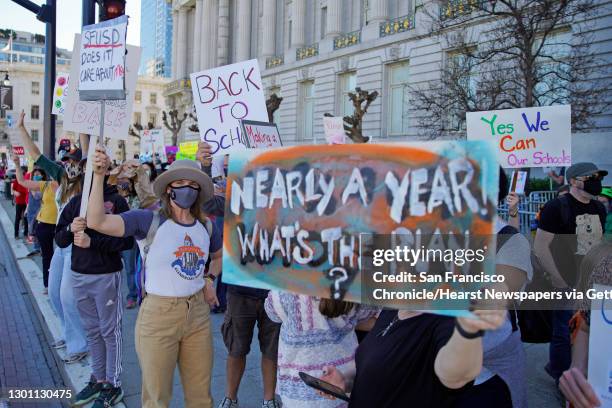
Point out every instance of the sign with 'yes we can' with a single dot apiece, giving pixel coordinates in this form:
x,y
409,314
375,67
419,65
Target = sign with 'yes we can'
x,y
526,137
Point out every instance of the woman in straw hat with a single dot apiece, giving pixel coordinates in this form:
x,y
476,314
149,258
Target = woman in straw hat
x,y
173,322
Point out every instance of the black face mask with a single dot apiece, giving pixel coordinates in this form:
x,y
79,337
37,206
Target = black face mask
x,y
592,186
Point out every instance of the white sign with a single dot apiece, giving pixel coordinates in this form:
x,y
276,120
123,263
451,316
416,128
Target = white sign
x,y
84,116
152,142
519,181
260,135
216,169
526,137
102,60
60,91
334,129
600,353
222,97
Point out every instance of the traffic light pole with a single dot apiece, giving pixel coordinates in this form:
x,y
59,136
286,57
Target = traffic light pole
x,y
50,50
89,12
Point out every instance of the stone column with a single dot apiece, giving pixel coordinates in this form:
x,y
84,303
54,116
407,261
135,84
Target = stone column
x,y
206,21
243,30
269,28
298,32
379,11
181,52
223,38
174,42
334,18
198,28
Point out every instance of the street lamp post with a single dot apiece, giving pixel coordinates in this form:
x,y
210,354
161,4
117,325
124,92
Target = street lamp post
x,y
46,13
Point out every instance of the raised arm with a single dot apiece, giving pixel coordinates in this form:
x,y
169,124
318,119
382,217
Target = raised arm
x,y
97,219
29,184
26,140
460,360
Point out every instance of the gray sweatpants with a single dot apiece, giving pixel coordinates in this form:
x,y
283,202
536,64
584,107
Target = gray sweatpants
x,y
98,299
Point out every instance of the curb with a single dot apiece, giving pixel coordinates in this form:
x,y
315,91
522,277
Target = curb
x,y
74,375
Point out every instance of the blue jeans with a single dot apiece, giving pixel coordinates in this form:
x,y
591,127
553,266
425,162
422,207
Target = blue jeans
x,y
560,349
63,301
129,265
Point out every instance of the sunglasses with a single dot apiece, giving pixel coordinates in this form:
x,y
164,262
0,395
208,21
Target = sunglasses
x,y
596,176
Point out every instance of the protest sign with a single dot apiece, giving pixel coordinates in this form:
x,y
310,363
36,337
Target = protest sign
x,y
187,150
334,129
518,182
59,93
216,169
222,97
295,216
84,116
171,153
18,150
526,137
152,141
258,135
102,60
600,354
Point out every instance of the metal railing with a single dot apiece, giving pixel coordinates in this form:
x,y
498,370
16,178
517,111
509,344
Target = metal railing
x,y
455,8
397,25
528,208
307,52
274,61
348,39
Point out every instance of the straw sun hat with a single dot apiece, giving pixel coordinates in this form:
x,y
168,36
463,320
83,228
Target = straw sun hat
x,y
185,170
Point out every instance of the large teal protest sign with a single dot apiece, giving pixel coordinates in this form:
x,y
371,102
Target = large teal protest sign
x,y
295,216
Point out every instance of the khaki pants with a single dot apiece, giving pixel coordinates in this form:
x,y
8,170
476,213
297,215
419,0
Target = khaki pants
x,y
171,330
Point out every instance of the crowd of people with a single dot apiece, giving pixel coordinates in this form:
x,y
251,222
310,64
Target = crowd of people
x,y
163,234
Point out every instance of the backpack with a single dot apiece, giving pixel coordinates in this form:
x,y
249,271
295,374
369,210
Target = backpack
x,y
535,325
144,246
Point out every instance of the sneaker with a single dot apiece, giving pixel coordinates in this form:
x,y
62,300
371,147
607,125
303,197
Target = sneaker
x,y
60,344
45,291
89,393
131,304
74,358
273,403
108,397
228,403
33,253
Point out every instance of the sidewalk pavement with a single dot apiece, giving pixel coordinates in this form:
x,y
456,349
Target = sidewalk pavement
x,y
542,391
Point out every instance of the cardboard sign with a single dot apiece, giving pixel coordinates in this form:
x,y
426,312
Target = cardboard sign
x,y
518,182
526,137
102,60
222,97
187,150
600,353
294,217
259,135
152,143
334,129
59,93
84,116
18,150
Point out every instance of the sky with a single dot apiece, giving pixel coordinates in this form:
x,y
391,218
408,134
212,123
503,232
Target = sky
x,y
68,17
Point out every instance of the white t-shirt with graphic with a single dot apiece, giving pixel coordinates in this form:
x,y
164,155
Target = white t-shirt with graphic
x,y
176,259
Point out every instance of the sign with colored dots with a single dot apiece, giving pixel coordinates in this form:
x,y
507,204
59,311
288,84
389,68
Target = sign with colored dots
x,y
59,93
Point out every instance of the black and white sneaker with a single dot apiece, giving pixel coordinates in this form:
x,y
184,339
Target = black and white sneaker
x,y
108,397
89,393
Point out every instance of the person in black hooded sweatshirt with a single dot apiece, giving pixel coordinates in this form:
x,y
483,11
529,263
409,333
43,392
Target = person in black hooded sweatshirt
x,y
96,279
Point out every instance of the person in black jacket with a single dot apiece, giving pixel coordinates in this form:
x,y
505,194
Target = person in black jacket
x,y
96,279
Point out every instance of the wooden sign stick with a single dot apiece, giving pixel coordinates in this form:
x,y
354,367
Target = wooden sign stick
x,y
93,142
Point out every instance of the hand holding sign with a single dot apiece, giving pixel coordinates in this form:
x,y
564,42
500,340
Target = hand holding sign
x,y
100,161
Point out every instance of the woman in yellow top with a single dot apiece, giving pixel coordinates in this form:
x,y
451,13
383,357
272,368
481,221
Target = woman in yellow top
x,y
67,181
47,217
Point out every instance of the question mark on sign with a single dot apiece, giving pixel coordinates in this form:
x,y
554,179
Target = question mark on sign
x,y
338,275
